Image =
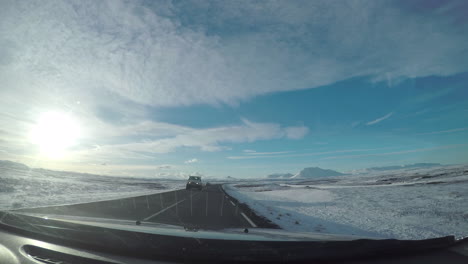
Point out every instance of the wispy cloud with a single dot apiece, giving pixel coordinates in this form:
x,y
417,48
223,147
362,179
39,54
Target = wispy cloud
x,y
269,153
380,119
321,143
444,131
164,167
302,154
210,139
190,161
396,152
355,123
296,132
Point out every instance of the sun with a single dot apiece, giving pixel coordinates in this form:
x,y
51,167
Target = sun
x,y
54,132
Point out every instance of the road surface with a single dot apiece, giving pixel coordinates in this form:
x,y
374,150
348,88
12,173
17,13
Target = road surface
x,y
210,208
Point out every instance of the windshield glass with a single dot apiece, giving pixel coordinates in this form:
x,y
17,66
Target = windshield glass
x,y
346,118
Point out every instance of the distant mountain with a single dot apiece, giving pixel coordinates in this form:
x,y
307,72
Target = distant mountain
x,y
229,178
212,178
316,172
280,176
408,166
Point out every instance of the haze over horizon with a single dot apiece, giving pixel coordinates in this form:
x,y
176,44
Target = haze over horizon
x,y
165,88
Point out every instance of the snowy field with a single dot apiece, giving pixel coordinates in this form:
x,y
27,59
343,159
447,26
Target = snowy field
x,y
404,204
409,204
23,187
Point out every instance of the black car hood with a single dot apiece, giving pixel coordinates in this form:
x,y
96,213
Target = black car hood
x,y
252,234
155,241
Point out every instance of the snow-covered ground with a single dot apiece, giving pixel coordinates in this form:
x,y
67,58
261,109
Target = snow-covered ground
x,y
403,204
22,187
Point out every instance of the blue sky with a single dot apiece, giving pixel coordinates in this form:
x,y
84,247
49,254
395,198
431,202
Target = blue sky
x,y
172,88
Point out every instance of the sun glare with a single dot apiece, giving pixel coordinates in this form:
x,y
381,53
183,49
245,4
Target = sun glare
x,y
54,132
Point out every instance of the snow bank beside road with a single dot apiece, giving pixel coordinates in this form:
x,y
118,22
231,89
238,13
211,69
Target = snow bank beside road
x,y
26,188
290,209
408,205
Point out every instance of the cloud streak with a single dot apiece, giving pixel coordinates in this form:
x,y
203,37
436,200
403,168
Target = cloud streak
x,y
268,153
207,140
279,155
396,152
380,119
190,161
444,131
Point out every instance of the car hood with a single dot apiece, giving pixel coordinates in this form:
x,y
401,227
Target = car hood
x,y
252,234
151,240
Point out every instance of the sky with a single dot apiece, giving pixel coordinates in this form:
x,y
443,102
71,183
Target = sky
x,y
232,88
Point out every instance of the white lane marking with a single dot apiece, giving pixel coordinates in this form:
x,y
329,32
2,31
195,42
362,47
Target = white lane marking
x,y
233,204
222,204
248,220
206,204
163,210
176,208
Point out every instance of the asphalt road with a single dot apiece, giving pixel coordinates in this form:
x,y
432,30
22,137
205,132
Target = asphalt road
x,y
210,208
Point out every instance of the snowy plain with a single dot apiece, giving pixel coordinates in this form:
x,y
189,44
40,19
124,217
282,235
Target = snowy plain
x,y
402,204
24,187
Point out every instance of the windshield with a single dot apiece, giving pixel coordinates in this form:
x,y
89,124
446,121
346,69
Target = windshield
x,y
340,118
